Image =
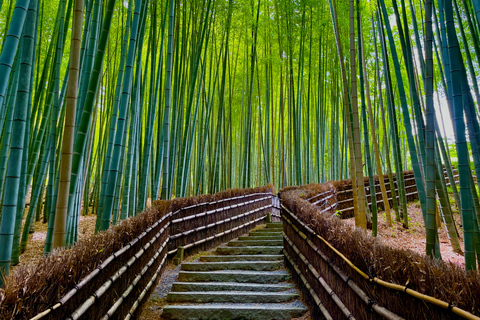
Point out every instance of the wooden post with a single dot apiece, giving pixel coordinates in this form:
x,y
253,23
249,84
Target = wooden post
x,y
179,257
269,217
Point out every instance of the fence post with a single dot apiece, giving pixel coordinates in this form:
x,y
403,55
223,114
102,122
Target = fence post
x,y
179,257
269,217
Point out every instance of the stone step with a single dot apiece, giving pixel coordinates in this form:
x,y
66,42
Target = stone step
x,y
274,237
232,265
248,243
244,257
268,230
233,276
234,311
242,280
275,225
264,234
230,297
249,250
230,286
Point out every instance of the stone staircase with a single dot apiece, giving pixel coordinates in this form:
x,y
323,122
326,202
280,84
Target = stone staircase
x,y
243,280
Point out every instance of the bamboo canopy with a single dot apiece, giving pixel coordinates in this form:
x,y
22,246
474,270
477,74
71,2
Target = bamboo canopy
x,y
106,106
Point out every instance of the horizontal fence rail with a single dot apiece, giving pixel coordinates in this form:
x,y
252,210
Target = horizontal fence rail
x,y
119,285
206,222
334,288
318,285
344,196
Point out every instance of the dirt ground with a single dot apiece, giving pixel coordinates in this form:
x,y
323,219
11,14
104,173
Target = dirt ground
x,y
414,238
36,240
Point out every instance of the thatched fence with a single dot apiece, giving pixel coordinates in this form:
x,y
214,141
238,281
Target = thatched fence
x,y
345,273
110,274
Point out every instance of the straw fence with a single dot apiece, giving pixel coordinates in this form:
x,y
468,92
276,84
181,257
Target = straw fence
x,y
109,275
345,273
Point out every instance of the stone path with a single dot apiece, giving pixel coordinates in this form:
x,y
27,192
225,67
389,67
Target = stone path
x,y
243,280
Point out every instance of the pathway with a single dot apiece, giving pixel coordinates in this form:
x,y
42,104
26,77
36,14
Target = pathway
x,y
243,280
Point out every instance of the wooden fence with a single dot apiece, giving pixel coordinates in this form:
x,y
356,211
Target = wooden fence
x,y
344,193
340,270
118,286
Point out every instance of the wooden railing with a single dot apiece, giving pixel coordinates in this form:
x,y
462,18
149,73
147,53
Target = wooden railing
x,y
332,293
344,203
119,285
336,288
197,225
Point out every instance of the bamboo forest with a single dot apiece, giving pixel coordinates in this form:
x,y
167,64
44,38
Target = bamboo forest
x,y
108,106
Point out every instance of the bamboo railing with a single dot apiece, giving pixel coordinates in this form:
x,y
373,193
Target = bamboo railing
x,y
344,203
335,288
332,291
118,286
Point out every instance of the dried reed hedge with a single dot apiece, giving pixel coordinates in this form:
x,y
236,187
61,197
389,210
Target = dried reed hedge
x,y
30,289
33,288
444,281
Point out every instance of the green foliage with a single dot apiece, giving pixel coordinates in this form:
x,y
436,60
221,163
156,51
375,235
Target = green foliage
x,y
211,95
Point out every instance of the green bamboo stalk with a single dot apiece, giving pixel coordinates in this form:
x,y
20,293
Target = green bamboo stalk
x,y
86,117
247,166
87,63
430,223
7,132
393,131
12,181
10,45
168,101
346,105
361,219
152,112
22,196
121,125
373,191
444,200
376,152
476,7
406,117
36,194
184,164
460,140
467,53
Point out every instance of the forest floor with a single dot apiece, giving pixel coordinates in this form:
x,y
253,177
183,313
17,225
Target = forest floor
x,y
36,240
414,238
